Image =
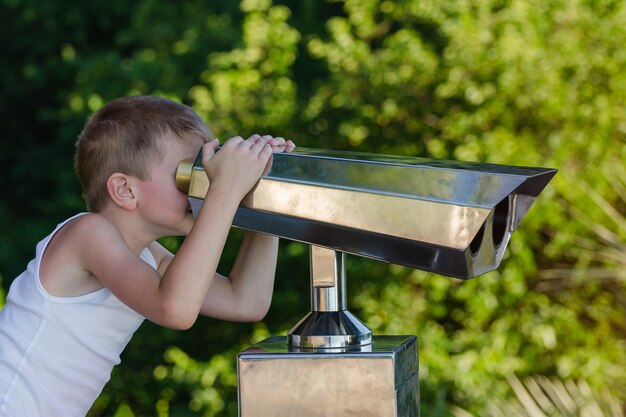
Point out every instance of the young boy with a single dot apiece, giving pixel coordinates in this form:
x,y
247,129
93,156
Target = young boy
x,y
99,274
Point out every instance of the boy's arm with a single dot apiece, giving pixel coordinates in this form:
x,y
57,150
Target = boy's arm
x,y
175,299
247,294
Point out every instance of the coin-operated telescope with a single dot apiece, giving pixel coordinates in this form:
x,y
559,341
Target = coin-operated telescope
x,y
448,217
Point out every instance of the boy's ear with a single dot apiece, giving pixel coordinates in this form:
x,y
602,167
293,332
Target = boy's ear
x,y
120,190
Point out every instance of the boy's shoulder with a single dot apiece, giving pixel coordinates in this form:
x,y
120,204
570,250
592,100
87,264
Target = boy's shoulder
x,y
85,227
94,234
63,269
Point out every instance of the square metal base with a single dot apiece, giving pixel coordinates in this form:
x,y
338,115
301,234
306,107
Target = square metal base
x,y
378,380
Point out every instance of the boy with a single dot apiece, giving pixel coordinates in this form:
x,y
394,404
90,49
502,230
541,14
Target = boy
x,y
99,274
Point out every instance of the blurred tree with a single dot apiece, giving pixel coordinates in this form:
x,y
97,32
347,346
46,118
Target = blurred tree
x,y
522,82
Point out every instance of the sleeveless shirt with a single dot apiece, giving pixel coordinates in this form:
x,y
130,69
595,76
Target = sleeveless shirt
x,y
57,353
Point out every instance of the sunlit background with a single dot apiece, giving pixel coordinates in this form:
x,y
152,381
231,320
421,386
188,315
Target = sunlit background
x,y
519,82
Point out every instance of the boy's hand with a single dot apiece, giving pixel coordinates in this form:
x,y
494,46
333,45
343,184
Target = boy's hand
x,y
238,165
279,145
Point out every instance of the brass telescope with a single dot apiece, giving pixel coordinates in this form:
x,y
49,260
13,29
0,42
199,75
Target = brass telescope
x,y
448,217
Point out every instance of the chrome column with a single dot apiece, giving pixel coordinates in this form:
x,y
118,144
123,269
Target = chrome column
x,y
328,279
329,324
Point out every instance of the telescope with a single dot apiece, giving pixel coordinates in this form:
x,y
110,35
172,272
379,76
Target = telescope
x,y
447,217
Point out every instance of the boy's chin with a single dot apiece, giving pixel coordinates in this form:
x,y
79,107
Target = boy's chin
x,y
184,227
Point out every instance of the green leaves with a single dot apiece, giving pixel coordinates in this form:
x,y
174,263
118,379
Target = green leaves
x,y
520,82
250,89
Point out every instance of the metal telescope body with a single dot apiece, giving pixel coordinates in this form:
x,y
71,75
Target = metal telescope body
x,y
447,217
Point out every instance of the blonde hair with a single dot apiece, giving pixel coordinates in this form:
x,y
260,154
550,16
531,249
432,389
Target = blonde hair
x,y
125,136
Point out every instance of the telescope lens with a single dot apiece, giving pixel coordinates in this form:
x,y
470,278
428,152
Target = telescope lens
x,y
500,220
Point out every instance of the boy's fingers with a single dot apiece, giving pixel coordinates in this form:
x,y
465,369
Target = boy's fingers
x,y
256,139
277,142
257,143
209,148
266,152
249,143
214,143
258,146
235,140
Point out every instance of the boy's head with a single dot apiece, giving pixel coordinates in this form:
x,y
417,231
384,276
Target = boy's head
x,y
126,136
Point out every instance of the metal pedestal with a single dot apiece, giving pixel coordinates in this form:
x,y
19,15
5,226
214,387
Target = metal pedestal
x,y
377,380
329,365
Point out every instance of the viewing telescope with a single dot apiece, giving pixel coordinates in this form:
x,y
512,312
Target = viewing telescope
x,y
447,217
452,218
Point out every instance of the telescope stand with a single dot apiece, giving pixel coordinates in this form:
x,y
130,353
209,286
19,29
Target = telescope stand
x,y
453,218
329,365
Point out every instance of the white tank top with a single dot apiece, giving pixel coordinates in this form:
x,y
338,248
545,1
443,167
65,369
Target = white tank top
x,y
57,353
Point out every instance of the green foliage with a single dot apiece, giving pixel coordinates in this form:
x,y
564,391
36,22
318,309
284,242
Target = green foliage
x,y
250,89
521,82
545,397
